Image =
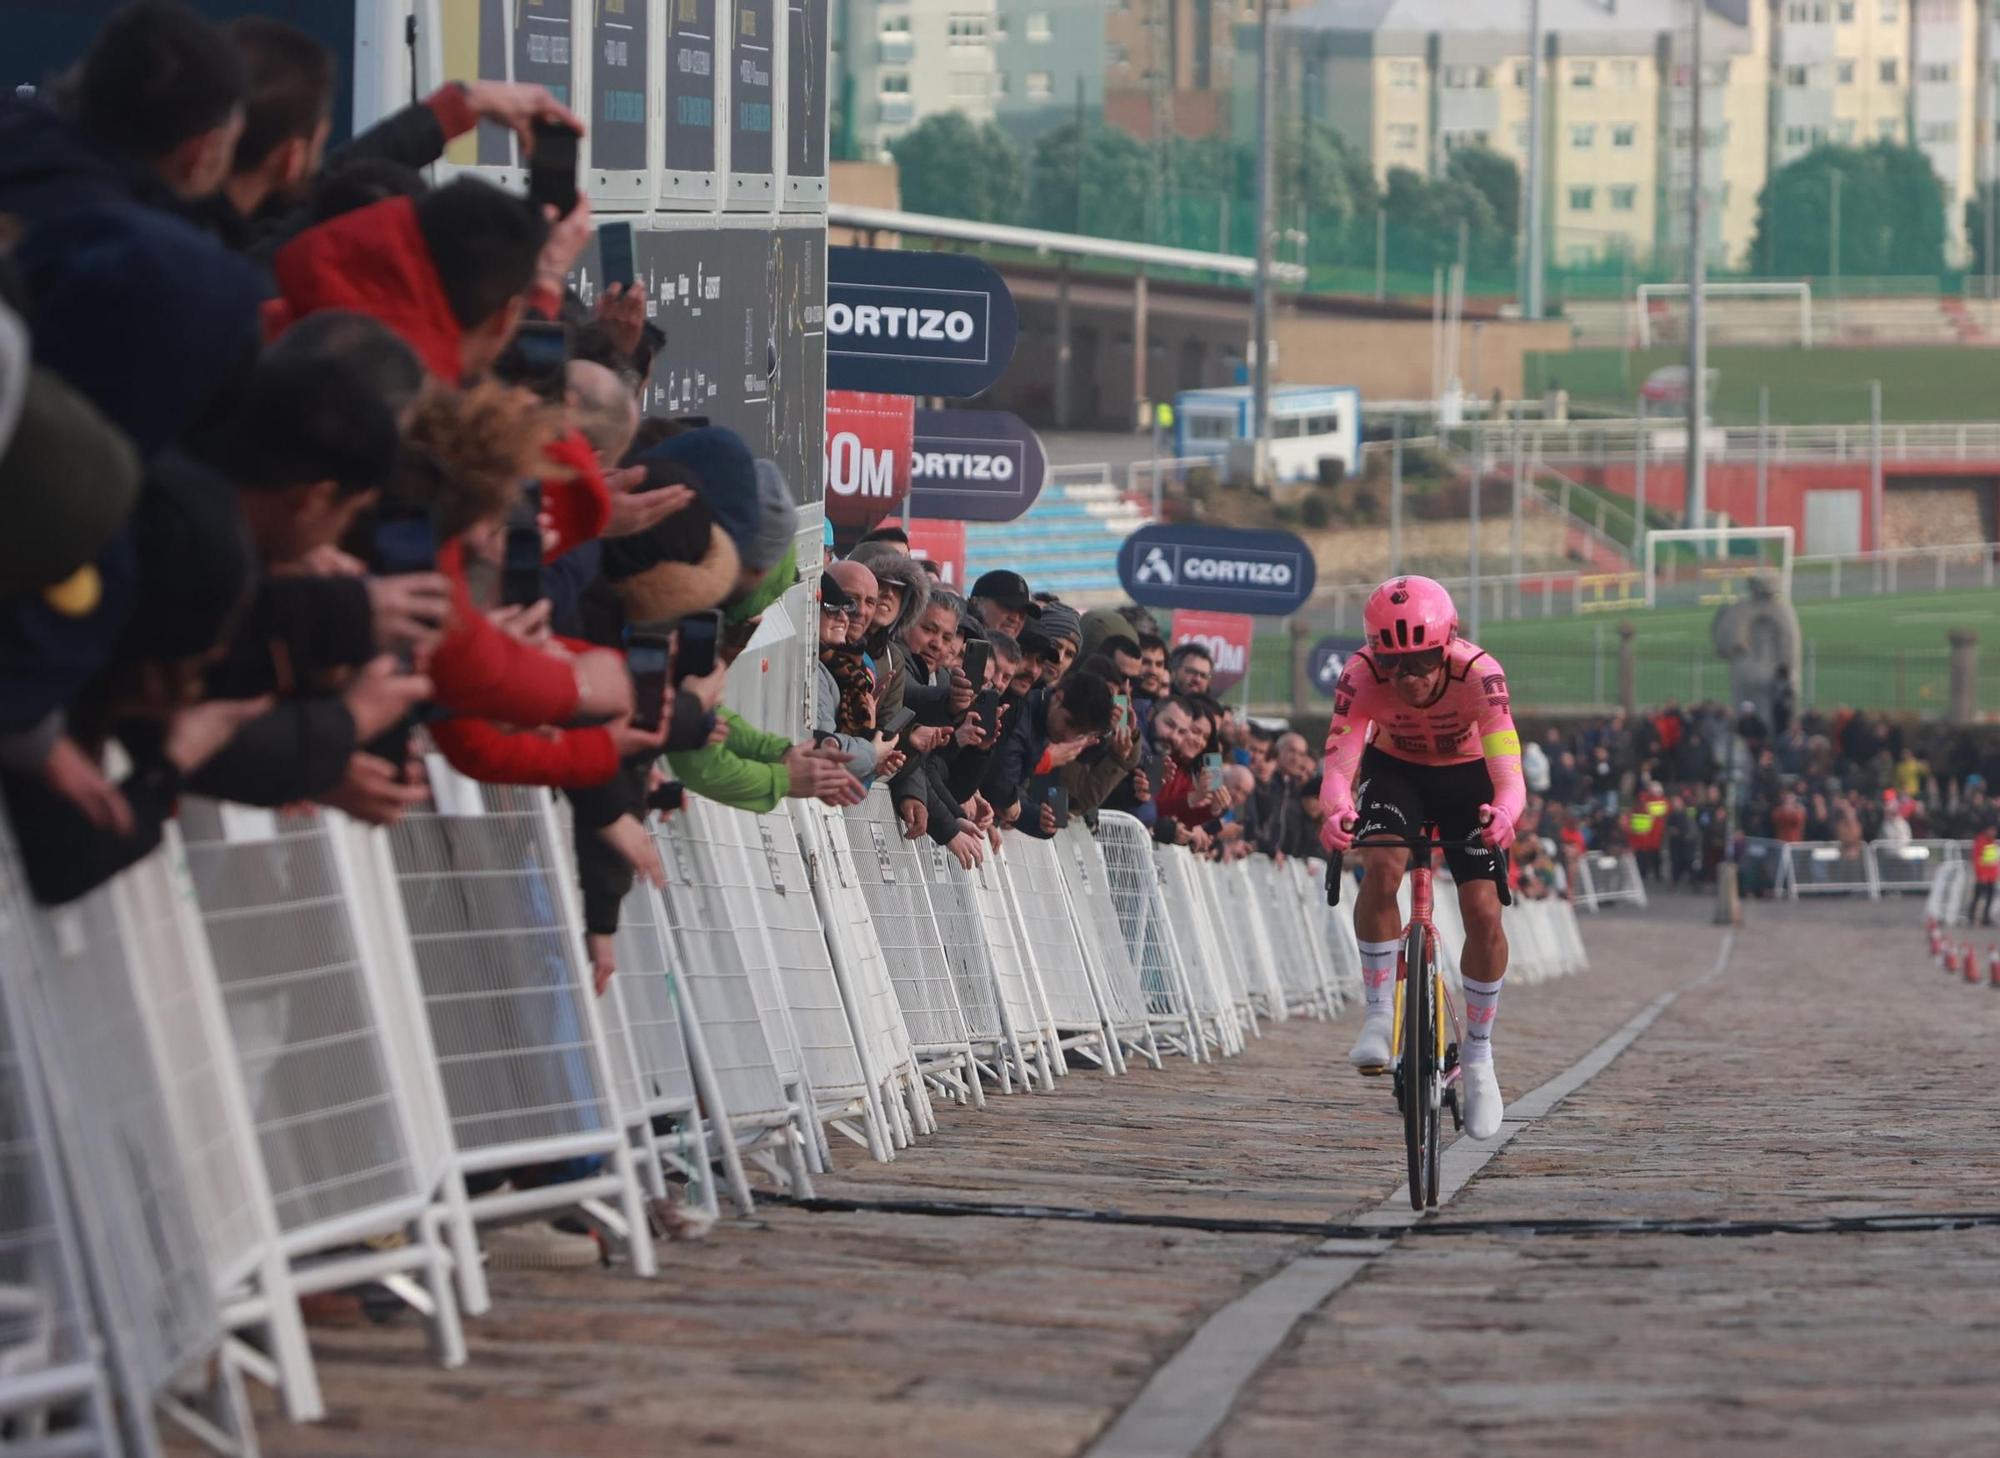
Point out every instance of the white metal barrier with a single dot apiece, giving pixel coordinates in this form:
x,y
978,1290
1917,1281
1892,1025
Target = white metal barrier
x,y
1133,888
1606,879
1911,865
1087,1019
1086,887
1827,868
486,899
1201,941
1949,902
1239,920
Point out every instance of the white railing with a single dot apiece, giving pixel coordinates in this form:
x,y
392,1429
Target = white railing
x,y
229,1072
1795,869
1604,442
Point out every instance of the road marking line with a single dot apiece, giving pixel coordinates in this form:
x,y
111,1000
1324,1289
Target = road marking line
x,y
1192,1395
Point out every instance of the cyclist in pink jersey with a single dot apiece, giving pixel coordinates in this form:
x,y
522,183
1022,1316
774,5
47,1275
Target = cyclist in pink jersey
x,y
1423,733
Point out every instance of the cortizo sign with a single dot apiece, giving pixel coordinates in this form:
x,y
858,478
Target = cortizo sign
x,y
1218,569
903,322
974,465
889,321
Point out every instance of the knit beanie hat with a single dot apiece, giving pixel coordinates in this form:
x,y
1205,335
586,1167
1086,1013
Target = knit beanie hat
x,y
724,476
777,519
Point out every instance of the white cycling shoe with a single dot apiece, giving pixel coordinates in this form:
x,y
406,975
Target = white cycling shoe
x,y
1370,1052
1479,1100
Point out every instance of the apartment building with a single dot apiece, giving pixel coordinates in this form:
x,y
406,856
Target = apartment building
x,y
1051,56
896,62
1409,80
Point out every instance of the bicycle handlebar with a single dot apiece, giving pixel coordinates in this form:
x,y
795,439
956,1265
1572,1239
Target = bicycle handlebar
x,y
1424,845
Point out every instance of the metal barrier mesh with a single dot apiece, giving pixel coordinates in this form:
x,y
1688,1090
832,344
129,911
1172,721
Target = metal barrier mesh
x,y
962,940
838,895
1187,917
644,988
1087,884
717,978
899,910
308,1049
1285,934
1242,925
780,900
1911,865
1020,987
1034,878
498,965
1135,892
1827,868
192,1055
47,1341
1206,880
141,1237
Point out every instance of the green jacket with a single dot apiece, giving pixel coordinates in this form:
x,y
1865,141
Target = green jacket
x,y
777,582
745,771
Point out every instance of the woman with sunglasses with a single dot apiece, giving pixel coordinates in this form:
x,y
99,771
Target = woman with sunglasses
x,y
1423,734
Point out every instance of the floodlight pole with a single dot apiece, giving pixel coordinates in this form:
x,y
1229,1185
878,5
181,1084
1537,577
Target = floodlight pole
x,y
1260,372
1697,395
1531,262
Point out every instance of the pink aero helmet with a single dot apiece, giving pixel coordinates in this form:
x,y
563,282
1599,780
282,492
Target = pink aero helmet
x,y
1409,614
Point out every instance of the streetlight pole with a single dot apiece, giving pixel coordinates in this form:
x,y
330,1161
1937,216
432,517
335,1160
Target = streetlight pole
x,y
1531,262
1260,373
1697,394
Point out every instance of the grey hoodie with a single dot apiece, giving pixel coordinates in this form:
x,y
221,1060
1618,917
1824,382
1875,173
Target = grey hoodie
x,y
892,658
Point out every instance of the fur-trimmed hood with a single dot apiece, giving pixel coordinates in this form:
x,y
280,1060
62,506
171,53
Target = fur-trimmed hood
x,y
892,568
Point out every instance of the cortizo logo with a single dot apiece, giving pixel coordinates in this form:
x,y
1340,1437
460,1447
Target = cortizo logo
x,y
1233,569
893,321
960,466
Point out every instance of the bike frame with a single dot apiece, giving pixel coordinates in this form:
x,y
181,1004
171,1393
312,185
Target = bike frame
x,y
1420,874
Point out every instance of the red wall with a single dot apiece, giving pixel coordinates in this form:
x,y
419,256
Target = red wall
x,y
1733,487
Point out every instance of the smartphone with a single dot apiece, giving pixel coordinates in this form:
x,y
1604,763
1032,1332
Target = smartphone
x,y
404,542
552,168
978,653
1122,705
537,358
898,722
648,658
614,246
1211,771
668,798
700,634
986,708
1046,790
521,567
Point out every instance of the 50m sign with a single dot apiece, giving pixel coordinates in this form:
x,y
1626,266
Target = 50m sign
x,y
868,448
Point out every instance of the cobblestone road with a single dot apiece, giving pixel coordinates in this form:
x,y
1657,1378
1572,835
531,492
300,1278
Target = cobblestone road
x,y
1825,1073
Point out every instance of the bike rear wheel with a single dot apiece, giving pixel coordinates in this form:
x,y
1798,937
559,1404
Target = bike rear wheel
x,y
1419,1069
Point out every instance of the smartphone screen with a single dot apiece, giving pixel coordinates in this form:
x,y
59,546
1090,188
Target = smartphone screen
x,y
986,708
521,575
614,246
700,633
977,655
1058,802
537,358
648,660
552,168
1211,771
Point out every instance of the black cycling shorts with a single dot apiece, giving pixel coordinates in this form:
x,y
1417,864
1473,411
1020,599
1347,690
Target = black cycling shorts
x,y
1394,797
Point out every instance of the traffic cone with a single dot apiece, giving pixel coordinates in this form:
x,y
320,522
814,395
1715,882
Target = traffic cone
x,y
1971,964
1993,966
1947,956
1937,941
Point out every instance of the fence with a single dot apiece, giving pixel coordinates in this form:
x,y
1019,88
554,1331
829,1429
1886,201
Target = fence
x,y
1793,869
287,1054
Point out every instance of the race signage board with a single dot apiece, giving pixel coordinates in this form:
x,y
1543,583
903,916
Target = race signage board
x,y
868,440
975,465
942,542
910,323
688,161
753,59
1226,636
1329,657
805,103
620,53
1218,569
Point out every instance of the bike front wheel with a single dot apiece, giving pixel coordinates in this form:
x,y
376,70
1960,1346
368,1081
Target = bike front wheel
x,y
1420,1071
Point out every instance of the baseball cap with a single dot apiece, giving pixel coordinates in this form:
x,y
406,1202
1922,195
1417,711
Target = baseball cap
x,y
1009,589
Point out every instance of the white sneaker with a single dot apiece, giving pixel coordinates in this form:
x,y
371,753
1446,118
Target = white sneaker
x,y
1479,1099
1371,1050
539,1246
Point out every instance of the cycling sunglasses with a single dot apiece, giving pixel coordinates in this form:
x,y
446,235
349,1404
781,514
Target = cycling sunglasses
x,y
1420,664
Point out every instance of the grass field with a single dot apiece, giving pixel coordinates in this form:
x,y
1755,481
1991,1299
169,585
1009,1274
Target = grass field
x,y
1886,653
1808,386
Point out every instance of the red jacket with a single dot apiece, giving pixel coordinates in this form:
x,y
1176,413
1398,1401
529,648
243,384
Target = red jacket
x,y
575,759
480,672
374,261
575,496
1179,788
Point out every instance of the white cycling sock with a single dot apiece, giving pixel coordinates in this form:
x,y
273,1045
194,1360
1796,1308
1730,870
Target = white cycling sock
x,y
1378,974
1482,1006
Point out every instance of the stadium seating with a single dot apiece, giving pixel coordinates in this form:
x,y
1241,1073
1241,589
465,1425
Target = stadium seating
x,y
1068,542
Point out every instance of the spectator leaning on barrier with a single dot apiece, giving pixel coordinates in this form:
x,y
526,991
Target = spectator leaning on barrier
x,y
1052,727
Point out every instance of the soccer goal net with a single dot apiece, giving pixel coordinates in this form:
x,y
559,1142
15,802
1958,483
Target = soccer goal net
x,y
1716,565
1738,313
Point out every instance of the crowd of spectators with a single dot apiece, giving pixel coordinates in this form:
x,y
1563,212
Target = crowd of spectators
x,y
1687,788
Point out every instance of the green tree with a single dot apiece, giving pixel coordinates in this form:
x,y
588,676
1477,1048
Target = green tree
x,y
1495,177
1095,182
953,169
1425,215
1975,235
1892,214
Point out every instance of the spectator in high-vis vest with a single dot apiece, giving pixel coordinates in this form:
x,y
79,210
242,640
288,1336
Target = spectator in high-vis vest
x,y
1985,873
